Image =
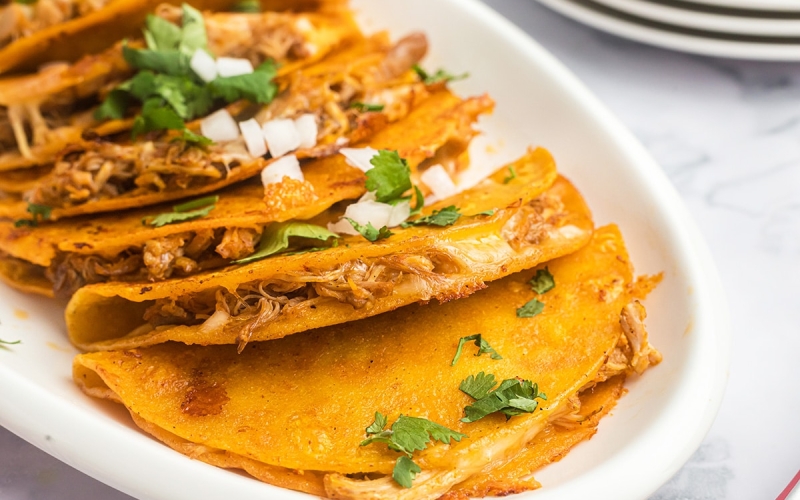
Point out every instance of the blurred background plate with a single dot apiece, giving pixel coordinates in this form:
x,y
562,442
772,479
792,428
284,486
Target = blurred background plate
x,y
773,5
678,38
716,20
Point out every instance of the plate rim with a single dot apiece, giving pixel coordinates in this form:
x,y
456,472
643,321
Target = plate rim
x,y
105,465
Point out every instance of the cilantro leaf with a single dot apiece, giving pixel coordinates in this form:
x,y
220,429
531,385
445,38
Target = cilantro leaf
x,y
512,174
193,31
256,87
369,232
485,212
192,138
390,176
404,472
38,213
8,342
114,106
438,77
444,217
169,62
530,309
276,238
364,107
483,347
156,116
478,386
512,397
419,201
378,425
183,212
161,34
198,203
543,282
247,6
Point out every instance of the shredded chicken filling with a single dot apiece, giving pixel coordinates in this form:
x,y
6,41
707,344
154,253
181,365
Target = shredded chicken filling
x,y
18,20
179,254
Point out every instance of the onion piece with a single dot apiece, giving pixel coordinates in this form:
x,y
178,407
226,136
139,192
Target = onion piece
x,y
215,322
359,157
203,65
281,136
288,166
232,66
400,213
219,126
439,182
253,137
306,126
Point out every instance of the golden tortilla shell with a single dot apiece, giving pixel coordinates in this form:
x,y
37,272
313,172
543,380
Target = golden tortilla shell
x,y
302,402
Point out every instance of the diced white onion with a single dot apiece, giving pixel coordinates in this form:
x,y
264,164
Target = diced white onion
x,y
368,196
400,213
288,166
303,25
342,227
215,322
439,182
219,126
253,137
359,157
281,136
306,126
203,65
232,66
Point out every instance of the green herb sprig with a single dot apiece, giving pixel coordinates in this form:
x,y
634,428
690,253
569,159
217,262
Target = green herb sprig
x,y
512,397
483,347
194,209
275,238
38,213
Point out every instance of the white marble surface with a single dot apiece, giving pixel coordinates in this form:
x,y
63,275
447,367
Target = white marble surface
x,y
728,135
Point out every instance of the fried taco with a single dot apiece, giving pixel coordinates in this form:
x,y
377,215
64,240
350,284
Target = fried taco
x,y
43,112
451,251
440,414
129,246
100,176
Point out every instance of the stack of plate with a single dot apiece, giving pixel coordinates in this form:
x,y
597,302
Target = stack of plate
x,y
748,29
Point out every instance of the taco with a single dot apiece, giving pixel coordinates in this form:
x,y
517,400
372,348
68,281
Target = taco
x,y
496,229
293,412
128,246
41,113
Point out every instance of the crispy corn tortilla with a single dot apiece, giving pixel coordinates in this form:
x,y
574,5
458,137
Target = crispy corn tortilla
x,y
24,276
111,239
302,402
119,19
57,103
286,294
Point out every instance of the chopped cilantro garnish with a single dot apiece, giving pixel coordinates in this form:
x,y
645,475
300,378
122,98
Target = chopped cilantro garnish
x,y
38,212
530,309
512,174
256,87
483,347
366,107
8,342
543,282
390,176
247,6
185,211
369,232
190,137
419,201
512,397
407,435
438,77
445,217
485,212
276,238
167,88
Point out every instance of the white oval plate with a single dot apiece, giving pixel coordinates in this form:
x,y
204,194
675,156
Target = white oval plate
x,y
672,39
653,430
737,25
769,5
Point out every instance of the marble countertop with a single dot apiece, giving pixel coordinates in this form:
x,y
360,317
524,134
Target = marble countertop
x,y
728,135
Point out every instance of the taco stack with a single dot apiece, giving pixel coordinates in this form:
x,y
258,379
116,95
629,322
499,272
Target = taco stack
x,y
274,249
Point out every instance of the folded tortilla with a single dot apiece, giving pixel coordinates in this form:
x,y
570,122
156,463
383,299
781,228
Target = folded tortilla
x,y
42,113
285,294
47,31
292,412
119,247
148,172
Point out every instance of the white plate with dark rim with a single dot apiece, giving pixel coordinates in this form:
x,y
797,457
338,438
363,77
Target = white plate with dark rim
x,y
655,427
675,37
719,21
755,5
